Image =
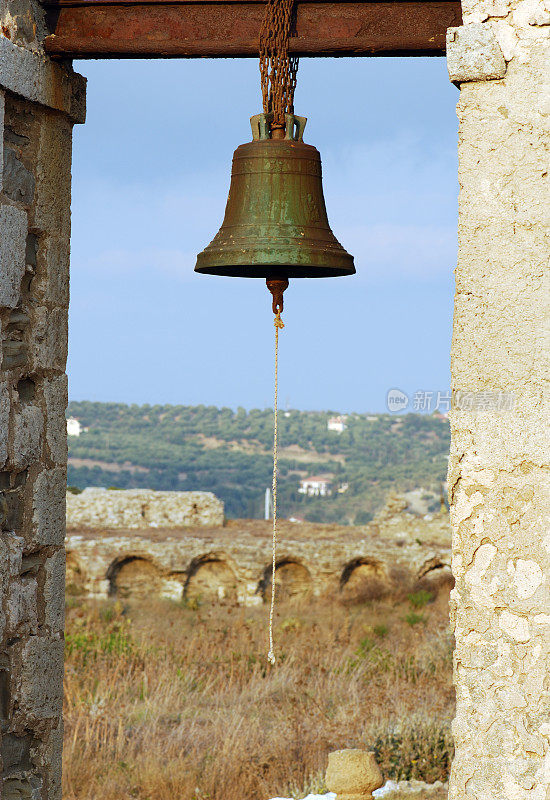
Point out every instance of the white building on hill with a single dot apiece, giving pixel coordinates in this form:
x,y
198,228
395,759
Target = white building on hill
x,y
337,424
74,428
316,486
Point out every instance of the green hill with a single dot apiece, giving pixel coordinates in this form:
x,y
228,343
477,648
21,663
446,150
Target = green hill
x,y
229,453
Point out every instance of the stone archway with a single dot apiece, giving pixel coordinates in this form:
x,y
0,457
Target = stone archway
x,y
436,577
74,576
293,581
134,578
363,579
211,579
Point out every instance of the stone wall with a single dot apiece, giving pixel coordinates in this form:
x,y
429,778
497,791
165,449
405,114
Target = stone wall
x,y
498,475
39,102
397,552
142,508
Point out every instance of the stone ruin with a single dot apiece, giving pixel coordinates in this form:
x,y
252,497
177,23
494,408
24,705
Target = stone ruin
x,y
499,462
142,508
212,562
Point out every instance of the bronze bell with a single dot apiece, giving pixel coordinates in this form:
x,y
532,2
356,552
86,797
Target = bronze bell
x,y
275,223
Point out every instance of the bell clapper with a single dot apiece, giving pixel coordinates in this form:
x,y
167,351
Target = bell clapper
x,y
277,286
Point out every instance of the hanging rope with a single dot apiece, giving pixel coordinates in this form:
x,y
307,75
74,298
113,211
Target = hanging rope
x,y
278,325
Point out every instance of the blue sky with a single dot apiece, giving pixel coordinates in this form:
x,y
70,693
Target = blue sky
x,y
151,171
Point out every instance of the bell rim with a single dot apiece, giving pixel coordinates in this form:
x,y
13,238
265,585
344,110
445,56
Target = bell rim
x,y
275,270
309,257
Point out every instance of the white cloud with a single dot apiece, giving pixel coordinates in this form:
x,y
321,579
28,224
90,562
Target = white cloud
x,y
175,263
385,251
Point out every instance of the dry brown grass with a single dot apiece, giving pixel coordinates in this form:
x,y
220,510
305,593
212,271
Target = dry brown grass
x,y
164,702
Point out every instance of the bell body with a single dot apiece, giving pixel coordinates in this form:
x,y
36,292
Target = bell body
x,y
275,220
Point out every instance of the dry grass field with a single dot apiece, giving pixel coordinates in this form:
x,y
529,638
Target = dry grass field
x,y
167,701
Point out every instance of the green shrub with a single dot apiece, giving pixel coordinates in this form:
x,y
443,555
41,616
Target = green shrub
x,y
73,590
420,599
363,517
414,619
191,603
90,645
421,753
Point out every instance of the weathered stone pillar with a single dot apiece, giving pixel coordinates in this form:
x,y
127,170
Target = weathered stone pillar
x,y
39,102
498,475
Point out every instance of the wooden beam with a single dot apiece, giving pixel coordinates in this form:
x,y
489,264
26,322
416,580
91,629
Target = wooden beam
x,y
230,28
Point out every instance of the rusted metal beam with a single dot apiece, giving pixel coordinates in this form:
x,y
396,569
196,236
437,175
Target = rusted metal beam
x,y
230,28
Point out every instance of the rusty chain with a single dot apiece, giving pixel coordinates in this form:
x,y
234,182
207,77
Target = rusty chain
x,y
277,69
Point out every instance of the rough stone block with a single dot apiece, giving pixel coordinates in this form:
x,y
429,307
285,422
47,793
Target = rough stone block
x,y
22,606
37,678
18,181
10,564
11,551
52,207
26,444
54,592
2,113
24,22
474,54
14,354
4,421
48,757
49,507
52,279
38,79
21,788
16,753
55,394
49,348
13,236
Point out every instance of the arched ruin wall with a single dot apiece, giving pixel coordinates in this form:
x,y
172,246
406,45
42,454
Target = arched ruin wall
x,y
403,541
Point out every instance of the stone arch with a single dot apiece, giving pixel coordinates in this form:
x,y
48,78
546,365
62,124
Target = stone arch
x,y
74,576
435,576
293,580
211,578
364,578
134,577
